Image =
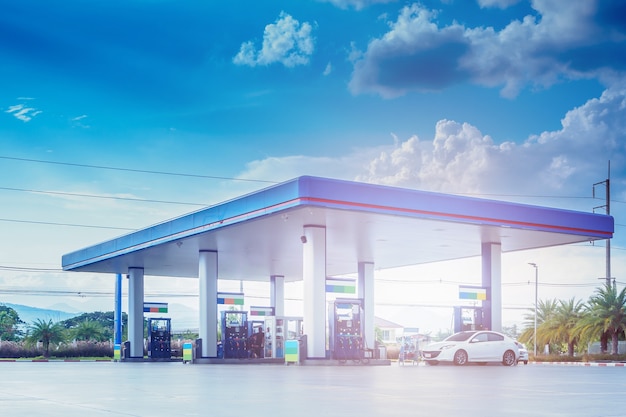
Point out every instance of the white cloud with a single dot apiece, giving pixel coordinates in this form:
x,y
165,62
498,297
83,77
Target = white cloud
x,y
23,113
285,168
501,4
566,40
461,159
403,59
78,121
458,159
357,4
286,41
328,69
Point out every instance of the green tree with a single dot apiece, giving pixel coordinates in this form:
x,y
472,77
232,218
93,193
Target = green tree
x,y
560,326
105,319
545,310
46,332
511,331
89,330
9,324
605,316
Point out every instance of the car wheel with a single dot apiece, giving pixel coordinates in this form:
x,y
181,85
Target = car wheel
x,y
508,359
460,358
525,362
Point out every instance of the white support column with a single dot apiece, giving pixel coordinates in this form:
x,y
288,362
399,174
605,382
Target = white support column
x,y
492,280
366,293
314,276
135,312
207,274
277,294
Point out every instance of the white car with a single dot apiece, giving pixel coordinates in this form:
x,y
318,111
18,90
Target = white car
x,y
473,346
523,353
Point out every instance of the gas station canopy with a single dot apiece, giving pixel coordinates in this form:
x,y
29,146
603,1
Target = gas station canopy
x,y
260,234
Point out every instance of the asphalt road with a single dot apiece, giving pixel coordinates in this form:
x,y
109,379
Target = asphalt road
x,y
112,389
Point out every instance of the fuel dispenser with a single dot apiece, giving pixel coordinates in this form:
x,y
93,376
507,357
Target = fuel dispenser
x,y
468,318
277,330
159,338
234,334
346,329
256,339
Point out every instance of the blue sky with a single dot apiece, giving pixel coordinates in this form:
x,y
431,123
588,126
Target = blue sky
x,y
520,100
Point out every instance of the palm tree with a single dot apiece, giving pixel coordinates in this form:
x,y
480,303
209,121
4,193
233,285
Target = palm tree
x,y
605,316
46,332
560,326
88,330
545,310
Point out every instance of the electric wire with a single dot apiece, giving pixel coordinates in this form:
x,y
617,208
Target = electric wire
x,y
105,197
143,171
182,174
65,224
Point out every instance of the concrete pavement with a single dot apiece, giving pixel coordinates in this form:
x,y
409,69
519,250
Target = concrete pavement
x,y
111,389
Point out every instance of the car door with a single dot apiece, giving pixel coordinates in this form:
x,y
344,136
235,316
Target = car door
x,y
478,349
496,346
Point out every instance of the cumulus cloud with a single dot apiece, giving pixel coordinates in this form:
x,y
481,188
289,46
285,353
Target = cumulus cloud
x,y
565,40
286,41
462,159
356,4
23,113
414,55
459,158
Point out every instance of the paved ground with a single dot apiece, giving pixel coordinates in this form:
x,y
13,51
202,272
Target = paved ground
x,y
172,389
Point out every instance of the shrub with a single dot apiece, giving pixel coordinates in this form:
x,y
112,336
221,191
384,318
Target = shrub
x,y
15,350
604,357
556,358
84,350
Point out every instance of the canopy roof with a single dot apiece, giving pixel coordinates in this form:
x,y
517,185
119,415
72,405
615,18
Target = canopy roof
x,y
259,234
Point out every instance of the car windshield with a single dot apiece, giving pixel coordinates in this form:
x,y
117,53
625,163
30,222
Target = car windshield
x,y
459,337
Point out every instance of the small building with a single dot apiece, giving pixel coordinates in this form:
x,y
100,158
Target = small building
x,y
388,331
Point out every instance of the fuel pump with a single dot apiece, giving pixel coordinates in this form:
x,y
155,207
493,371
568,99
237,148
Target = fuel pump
x,y
159,338
346,329
235,334
468,318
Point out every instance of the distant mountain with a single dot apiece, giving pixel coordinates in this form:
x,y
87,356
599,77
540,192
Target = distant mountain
x,y
183,317
30,314
67,308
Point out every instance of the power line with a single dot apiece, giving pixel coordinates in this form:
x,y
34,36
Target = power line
x,y
26,269
508,284
142,200
525,195
65,224
383,280
215,177
143,171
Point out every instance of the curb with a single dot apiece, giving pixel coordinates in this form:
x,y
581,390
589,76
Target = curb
x,y
54,360
589,364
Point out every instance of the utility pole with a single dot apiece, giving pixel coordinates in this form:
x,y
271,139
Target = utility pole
x,y
607,208
534,265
